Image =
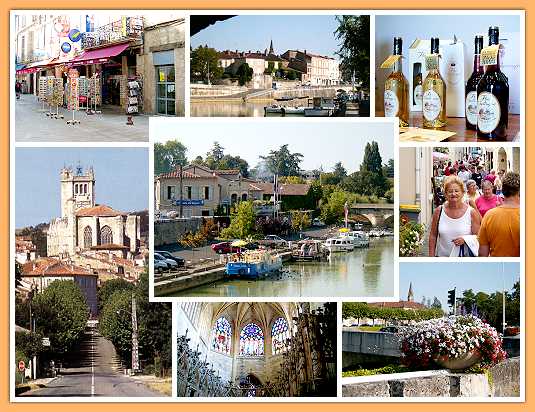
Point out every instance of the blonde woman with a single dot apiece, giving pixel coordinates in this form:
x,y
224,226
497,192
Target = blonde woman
x,y
453,220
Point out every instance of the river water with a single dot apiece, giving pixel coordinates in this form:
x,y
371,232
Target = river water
x,y
361,273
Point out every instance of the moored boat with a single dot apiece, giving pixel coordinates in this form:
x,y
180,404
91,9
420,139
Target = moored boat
x,y
308,249
339,244
253,264
357,237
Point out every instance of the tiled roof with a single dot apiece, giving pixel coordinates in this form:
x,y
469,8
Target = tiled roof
x,y
53,267
227,171
175,174
285,189
24,245
99,210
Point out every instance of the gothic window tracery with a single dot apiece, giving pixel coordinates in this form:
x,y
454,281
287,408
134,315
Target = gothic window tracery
x,y
106,235
280,333
222,336
88,237
251,340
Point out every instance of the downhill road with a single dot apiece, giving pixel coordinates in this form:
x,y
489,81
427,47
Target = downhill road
x,y
93,370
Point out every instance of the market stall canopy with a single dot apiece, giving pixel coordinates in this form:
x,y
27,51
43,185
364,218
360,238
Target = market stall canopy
x,y
97,56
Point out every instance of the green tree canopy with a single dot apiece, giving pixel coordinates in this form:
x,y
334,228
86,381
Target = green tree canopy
x,y
111,286
372,161
354,35
116,322
282,162
61,314
168,156
244,73
242,222
204,65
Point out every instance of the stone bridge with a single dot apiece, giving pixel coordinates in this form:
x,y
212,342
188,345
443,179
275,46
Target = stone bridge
x,y
378,214
359,347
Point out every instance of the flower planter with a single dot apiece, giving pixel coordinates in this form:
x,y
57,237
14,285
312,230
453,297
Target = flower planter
x,y
462,362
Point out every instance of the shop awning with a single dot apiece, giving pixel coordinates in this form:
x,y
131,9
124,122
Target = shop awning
x,y
97,56
35,67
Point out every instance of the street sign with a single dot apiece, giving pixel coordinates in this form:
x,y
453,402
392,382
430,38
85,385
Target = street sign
x,y
189,202
45,342
22,366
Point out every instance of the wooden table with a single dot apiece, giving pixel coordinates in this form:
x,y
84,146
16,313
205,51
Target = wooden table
x,y
458,125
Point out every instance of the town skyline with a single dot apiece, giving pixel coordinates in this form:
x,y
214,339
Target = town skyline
x,y
115,178
480,277
326,155
261,30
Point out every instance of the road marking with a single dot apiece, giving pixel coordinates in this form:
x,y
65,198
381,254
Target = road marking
x,y
92,363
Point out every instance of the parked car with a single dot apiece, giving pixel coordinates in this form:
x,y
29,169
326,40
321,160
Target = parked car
x,y
252,246
160,266
273,241
224,248
171,264
318,223
180,261
389,329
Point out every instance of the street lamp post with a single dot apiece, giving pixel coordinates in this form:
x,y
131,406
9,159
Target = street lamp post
x,y
135,343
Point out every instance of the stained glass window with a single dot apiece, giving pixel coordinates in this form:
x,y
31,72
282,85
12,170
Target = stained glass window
x,y
222,336
251,340
279,334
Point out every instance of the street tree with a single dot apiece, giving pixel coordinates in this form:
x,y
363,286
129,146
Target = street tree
x,y
245,74
372,161
339,171
61,313
436,303
234,162
168,156
109,287
354,35
282,162
332,211
214,156
204,65
115,322
242,222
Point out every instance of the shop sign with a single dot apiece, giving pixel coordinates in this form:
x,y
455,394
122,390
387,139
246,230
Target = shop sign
x,y
189,202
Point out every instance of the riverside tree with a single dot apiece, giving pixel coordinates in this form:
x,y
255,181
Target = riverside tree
x,y
282,162
354,34
61,313
242,222
204,65
169,156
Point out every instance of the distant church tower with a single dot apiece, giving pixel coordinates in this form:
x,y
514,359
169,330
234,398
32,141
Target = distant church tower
x,y
271,47
77,190
410,295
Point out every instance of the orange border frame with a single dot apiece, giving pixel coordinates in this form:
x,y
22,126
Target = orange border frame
x,y
7,5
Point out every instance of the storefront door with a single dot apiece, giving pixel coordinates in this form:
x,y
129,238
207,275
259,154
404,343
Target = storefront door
x,y
165,90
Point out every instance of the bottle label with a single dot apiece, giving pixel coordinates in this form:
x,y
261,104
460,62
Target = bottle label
x,y
432,105
391,104
471,107
489,112
418,94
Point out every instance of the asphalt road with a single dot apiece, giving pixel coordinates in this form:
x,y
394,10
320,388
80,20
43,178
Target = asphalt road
x,y
93,370
32,125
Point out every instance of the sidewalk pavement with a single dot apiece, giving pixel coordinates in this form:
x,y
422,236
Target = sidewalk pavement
x,y
32,125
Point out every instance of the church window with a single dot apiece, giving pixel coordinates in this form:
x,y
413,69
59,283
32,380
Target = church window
x,y
279,335
75,189
88,237
85,188
106,235
251,340
222,336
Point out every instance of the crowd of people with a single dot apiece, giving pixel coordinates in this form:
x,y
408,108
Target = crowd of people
x,y
478,212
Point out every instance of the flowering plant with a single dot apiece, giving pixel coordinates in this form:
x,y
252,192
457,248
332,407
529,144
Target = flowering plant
x,y
411,237
451,337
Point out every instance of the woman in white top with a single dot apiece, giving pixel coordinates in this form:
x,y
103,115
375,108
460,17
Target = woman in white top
x,y
452,220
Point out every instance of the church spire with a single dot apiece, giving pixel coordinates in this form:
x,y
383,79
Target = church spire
x,y
410,295
271,47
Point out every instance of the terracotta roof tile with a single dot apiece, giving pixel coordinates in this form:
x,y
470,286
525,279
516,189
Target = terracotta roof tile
x,y
99,210
52,267
109,246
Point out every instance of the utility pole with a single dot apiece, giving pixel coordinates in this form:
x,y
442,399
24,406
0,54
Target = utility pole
x,y
181,192
135,346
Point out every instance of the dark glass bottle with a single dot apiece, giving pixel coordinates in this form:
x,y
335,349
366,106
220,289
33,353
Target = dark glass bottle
x,y
493,97
471,87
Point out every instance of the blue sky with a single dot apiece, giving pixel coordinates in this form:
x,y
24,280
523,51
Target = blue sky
x,y
322,144
435,279
121,176
247,32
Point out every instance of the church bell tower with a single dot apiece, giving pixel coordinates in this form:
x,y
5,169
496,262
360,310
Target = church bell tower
x,y
77,189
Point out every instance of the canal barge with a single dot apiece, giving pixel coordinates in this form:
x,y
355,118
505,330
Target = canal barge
x,y
253,264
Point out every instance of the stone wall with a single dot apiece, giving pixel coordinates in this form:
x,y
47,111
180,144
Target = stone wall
x,y
506,378
168,232
203,90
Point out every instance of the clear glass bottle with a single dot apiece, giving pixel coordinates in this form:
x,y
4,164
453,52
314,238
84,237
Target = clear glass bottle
x,y
417,90
396,97
434,97
493,97
470,106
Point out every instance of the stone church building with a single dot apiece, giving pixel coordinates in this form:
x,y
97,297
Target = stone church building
x,y
256,349
87,226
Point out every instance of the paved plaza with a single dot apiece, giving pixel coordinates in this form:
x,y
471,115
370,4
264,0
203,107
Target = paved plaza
x,y
32,125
